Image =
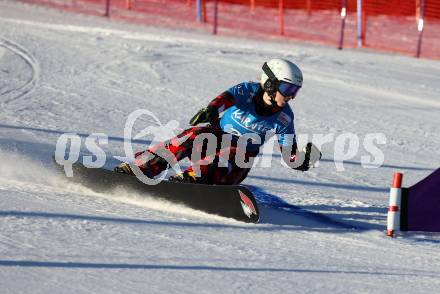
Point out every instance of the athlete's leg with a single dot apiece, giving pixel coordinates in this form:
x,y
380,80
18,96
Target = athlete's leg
x,y
163,155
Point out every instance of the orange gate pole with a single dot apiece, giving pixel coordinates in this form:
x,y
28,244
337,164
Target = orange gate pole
x,y
281,12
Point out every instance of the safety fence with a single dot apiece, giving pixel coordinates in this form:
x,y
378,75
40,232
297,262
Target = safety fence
x,y
410,27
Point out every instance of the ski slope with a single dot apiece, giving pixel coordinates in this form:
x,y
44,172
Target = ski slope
x,y
322,231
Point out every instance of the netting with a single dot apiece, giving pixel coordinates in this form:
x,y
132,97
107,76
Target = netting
x,y
390,25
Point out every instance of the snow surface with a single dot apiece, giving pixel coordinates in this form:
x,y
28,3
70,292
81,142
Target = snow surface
x,y
321,231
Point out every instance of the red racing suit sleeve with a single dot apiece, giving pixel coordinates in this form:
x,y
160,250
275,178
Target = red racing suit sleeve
x,y
223,101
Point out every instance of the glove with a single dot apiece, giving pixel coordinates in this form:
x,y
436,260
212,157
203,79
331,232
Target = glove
x,y
311,155
205,115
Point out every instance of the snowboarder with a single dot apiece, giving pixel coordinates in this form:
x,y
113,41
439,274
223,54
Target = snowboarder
x,y
249,108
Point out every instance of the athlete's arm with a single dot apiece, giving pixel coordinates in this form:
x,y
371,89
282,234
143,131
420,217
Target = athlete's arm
x,y
294,158
210,114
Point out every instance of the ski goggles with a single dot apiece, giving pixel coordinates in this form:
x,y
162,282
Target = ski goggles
x,y
288,89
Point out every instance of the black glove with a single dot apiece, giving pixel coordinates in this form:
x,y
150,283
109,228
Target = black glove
x,y
205,115
311,155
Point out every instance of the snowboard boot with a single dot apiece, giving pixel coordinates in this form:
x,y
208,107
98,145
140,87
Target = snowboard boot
x,y
124,168
185,177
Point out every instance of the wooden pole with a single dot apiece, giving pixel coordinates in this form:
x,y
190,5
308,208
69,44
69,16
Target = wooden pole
x,y
360,23
420,12
199,10
343,17
214,31
107,8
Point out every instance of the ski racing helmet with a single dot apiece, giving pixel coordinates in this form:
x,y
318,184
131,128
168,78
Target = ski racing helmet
x,y
283,76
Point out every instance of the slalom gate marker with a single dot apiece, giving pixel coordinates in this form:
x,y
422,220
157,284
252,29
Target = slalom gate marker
x,y
416,208
393,223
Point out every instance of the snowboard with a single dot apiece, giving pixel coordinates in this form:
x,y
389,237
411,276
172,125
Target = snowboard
x,y
232,201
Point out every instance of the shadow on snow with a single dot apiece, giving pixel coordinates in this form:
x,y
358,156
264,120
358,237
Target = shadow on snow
x,y
91,265
117,220
274,210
